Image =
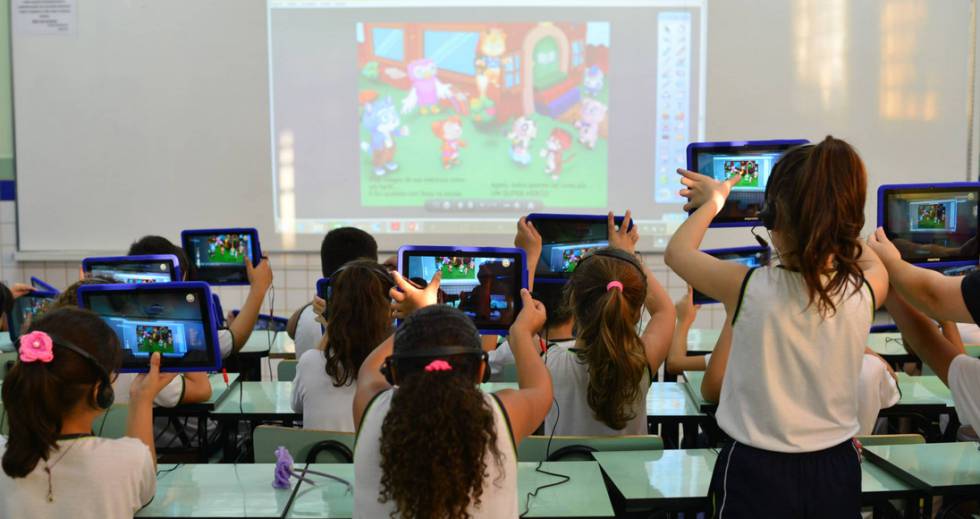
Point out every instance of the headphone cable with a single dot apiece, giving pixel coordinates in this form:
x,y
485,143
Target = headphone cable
x,y
563,478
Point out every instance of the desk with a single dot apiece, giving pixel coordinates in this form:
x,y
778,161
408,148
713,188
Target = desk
x,y
670,407
219,392
937,468
693,387
701,341
260,344
283,347
245,490
673,480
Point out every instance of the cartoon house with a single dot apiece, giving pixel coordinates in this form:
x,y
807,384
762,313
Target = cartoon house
x,y
537,67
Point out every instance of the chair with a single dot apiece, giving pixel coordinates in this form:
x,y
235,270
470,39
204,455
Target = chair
x,y
580,448
891,439
112,423
286,371
306,445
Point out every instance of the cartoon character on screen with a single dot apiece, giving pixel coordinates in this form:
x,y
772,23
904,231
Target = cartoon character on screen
x,y
523,131
381,120
490,60
426,89
449,132
592,115
554,152
595,80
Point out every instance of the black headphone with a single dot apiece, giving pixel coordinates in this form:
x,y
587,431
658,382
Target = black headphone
x,y
432,353
617,254
105,395
376,268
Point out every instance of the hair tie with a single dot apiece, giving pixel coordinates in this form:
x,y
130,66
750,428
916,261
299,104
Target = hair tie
x,y
614,284
439,365
36,346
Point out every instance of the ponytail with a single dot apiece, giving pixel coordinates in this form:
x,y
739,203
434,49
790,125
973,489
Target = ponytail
x,y
434,443
36,396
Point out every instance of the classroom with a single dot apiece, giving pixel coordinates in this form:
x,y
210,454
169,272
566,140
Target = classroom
x,y
640,259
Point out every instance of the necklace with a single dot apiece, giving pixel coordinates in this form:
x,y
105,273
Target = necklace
x,y
49,466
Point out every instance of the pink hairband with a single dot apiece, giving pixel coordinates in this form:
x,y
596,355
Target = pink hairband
x,y
36,346
439,365
614,284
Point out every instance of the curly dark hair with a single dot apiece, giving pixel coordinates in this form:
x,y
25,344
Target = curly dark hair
x,y
436,435
360,317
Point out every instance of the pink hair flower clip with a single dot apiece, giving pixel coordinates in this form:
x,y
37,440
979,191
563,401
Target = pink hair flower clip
x,y
439,365
36,346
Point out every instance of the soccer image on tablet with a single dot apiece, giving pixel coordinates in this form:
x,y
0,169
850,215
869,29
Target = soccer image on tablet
x,y
483,110
227,249
33,309
150,339
939,215
749,169
754,169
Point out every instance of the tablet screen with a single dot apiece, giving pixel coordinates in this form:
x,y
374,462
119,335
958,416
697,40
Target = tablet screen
x,y
486,287
174,321
565,241
220,256
26,309
751,257
132,272
932,224
753,161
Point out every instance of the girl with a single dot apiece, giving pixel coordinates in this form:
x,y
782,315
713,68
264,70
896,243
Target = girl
x,y
360,317
603,377
52,465
678,361
435,445
799,330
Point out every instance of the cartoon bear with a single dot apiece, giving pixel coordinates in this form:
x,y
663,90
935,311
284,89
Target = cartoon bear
x,y
594,80
381,120
489,62
592,114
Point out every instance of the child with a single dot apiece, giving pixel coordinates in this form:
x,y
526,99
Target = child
x,y
239,328
52,465
678,361
360,318
603,378
920,295
435,445
338,247
799,331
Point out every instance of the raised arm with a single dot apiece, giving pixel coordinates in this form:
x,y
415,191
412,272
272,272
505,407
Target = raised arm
x,y
714,374
932,293
678,361
259,281
875,274
720,280
527,406
197,388
145,387
923,336
528,239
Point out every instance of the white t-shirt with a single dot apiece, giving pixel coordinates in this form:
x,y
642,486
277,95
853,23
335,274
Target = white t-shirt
x,y
877,390
503,356
792,375
97,478
324,406
570,379
308,332
964,384
500,483
169,396
226,341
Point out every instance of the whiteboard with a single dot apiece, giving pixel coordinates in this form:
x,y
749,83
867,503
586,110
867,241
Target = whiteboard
x,y
154,116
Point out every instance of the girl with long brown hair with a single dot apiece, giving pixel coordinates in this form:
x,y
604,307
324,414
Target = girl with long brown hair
x,y
789,400
360,319
602,378
430,442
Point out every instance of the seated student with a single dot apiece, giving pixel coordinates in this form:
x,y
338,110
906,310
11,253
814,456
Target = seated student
x,y
918,299
239,328
360,319
435,445
602,379
52,465
338,247
185,388
799,332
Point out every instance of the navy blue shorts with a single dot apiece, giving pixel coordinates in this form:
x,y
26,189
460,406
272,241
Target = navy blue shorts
x,y
753,483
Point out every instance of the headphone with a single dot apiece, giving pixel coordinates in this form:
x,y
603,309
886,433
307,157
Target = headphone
x,y
617,254
105,395
432,353
376,268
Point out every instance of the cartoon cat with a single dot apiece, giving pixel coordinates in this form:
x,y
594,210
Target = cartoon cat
x,y
426,89
591,116
554,152
449,132
490,60
523,131
594,80
381,120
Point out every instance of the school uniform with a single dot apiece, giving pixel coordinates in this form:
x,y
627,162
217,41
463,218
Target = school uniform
x,y
499,497
503,356
964,371
90,478
571,414
789,402
324,406
308,331
877,390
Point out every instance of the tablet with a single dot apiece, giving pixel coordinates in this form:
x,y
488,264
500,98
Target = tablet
x,y
754,160
484,282
28,308
272,323
219,254
133,270
566,238
176,319
931,223
751,257
39,284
